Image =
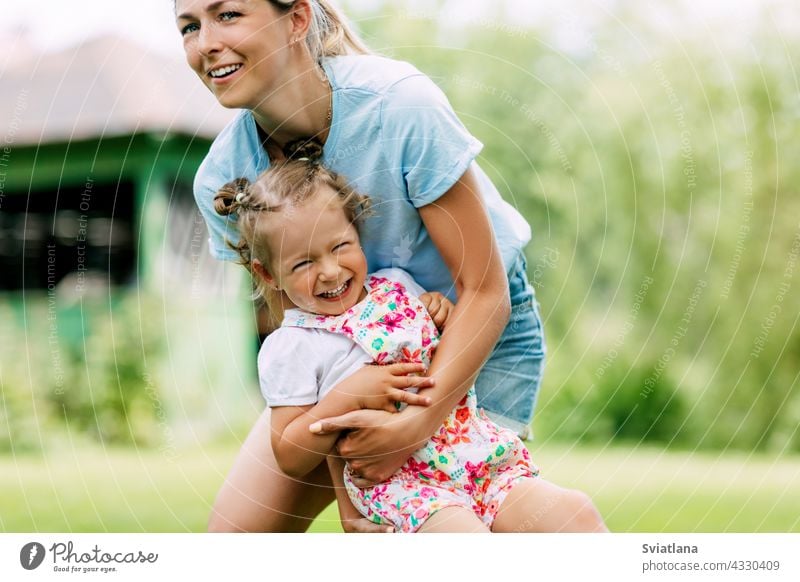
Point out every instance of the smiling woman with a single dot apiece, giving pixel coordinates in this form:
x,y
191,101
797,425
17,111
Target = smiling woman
x,y
228,42
299,73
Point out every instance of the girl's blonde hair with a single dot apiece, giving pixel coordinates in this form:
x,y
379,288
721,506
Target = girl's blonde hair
x,y
286,184
329,34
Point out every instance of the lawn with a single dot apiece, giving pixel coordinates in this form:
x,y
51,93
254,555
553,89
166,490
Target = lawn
x,y
636,489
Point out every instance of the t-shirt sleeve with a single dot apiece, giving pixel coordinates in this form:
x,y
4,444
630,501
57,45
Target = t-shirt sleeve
x,y
287,371
425,137
220,228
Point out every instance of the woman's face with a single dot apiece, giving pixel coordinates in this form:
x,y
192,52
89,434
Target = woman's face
x,y
239,48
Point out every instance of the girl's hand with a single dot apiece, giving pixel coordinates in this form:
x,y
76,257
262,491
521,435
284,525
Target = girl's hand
x,y
439,307
385,387
371,433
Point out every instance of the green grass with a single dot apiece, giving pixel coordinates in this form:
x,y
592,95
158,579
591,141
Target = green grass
x,y
636,489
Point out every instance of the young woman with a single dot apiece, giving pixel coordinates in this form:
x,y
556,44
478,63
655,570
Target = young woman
x,y
296,71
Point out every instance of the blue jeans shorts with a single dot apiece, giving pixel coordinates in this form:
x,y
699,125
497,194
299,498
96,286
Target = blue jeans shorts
x,y
508,384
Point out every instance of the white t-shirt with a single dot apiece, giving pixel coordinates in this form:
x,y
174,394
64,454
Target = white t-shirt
x,y
298,366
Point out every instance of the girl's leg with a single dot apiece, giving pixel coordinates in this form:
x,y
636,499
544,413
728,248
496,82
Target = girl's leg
x,y
453,520
257,497
536,505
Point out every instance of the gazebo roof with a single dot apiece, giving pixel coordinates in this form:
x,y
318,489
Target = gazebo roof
x,y
106,86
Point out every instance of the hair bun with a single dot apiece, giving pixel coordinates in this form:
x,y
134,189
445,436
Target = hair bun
x,y
308,148
229,197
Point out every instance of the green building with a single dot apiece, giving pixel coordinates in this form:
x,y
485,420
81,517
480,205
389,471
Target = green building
x,y
116,322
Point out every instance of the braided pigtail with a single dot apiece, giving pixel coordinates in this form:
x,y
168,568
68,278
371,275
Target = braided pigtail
x,y
233,200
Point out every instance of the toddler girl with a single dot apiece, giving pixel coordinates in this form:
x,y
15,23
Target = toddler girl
x,y
299,238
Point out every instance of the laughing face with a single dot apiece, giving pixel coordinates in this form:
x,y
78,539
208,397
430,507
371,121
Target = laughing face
x,y
317,258
239,48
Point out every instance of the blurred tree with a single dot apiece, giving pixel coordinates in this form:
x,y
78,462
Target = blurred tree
x,y
645,152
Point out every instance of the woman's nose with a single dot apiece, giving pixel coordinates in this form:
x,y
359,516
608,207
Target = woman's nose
x,y
208,40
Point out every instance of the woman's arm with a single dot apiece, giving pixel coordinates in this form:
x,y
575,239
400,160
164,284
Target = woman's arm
x,y
298,450
459,226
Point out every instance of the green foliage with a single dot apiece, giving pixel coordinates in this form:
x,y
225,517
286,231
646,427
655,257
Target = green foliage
x,y
638,155
27,369
89,374
112,395
659,178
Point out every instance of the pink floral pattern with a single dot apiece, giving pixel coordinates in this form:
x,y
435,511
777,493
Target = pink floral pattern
x,y
470,462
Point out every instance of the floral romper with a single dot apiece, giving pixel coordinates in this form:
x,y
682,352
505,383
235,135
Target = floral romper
x,y
470,462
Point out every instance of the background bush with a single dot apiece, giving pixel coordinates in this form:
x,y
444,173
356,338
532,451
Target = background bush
x,y
656,165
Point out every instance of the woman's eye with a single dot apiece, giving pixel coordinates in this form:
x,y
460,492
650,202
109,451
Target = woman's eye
x,y
189,28
226,16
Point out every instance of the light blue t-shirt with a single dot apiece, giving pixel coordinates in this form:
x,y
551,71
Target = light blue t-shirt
x,y
394,137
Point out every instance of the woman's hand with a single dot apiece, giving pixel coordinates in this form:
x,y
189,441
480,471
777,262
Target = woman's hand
x,y
385,387
371,434
439,307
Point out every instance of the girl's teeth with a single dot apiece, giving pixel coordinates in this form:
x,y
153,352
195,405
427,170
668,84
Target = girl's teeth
x,y
336,292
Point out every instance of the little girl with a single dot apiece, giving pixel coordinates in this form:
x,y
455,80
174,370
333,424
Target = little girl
x,y
299,238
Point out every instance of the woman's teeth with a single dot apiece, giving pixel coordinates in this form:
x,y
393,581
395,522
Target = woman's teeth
x,y
224,71
334,292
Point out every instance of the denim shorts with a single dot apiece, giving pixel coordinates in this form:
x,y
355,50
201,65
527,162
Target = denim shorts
x,y
508,384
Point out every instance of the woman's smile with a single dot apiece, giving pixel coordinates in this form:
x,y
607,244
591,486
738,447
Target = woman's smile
x,y
224,71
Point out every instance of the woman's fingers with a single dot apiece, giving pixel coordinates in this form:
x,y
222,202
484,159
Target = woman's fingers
x,y
345,421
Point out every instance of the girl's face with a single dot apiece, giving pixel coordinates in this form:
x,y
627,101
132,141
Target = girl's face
x,y
239,48
317,258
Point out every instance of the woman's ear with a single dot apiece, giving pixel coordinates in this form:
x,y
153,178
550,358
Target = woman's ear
x,y
261,271
301,16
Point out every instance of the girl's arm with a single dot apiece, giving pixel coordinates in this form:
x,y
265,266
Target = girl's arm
x,y
298,450
459,225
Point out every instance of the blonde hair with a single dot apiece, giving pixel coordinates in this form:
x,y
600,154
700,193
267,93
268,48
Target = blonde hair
x,y
329,34
288,183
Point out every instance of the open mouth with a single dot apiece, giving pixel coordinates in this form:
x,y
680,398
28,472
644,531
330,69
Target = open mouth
x,y
336,293
222,72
